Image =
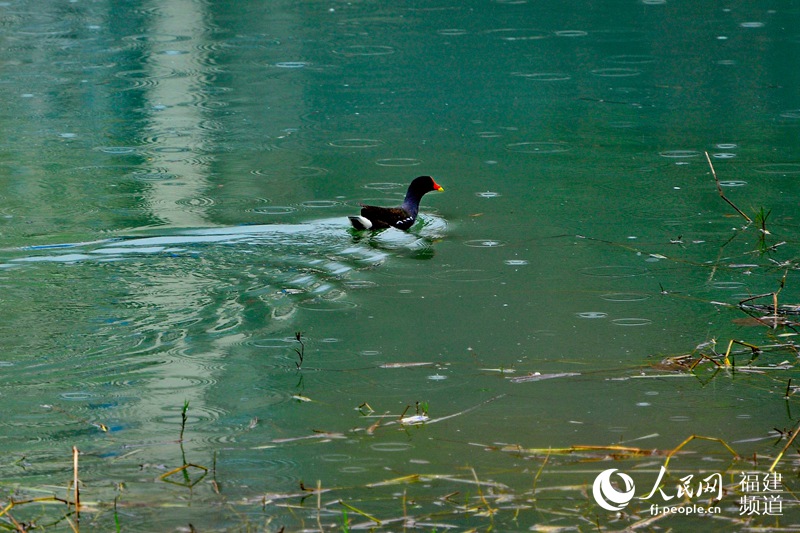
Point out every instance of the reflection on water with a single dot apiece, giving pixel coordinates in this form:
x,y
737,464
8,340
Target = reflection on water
x,y
175,179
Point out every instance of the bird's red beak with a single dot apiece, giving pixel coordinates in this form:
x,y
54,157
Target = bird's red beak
x,y
437,187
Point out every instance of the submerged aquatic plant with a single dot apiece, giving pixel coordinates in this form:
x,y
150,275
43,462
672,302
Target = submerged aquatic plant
x,y
184,417
761,222
300,352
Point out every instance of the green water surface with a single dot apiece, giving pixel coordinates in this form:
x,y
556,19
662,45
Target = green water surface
x,y
175,180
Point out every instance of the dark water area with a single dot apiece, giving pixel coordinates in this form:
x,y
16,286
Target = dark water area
x,y
175,181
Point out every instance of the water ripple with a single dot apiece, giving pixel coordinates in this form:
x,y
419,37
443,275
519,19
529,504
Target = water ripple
x,y
613,271
356,143
779,169
364,50
452,32
398,162
632,322
316,204
543,76
619,72
384,186
679,154
518,34
484,243
273,210
466,274
631,59
624,297
156,38
538,147
571,33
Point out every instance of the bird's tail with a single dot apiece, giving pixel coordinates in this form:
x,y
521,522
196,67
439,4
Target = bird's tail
x,y
360,222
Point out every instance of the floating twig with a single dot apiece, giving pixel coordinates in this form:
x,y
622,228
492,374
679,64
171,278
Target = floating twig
x,y
538,376
722,194
319,505
185,470
76,494
214,473
539,473
690,438
613,450
16,503
98,425
489,509
359,511
783,451
755,350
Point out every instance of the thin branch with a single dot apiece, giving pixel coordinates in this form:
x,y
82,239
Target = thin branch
x,y
783,451
75,481
722,194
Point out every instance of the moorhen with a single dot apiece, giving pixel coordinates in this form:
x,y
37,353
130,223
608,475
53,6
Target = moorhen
x,y
403,217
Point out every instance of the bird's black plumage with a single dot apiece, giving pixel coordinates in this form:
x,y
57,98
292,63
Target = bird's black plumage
x,y
402,217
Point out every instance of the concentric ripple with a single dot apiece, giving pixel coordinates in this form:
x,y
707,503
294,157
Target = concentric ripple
x,y
624,297
466,274
619,72
571,33
364,50
631,59
484,243
613,271
398,162
679,154
591,314
356,143
273,210
200,201
316,204
779,169
519,34
538,147
383,186
632,322
543,76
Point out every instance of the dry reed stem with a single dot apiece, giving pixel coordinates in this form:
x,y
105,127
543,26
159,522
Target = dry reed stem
x,y
17,503
489,509
583,448
319,506
721,193
98,425
22,528
359,511
413,478
690,438
726,360
76,497
539,473
189,483
783,451
180,468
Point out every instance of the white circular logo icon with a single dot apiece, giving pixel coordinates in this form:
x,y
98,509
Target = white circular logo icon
x,y
607,496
